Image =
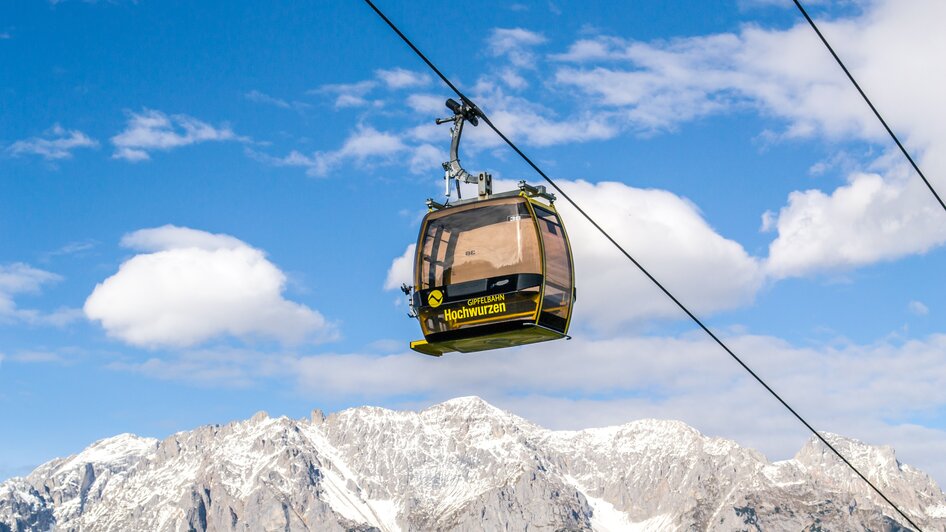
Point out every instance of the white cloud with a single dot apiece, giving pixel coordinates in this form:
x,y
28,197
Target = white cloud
x,y
399,78
872,218
56,143
516,44
348,94
531,123
171,237
512,79
356,94
597,49
918,308
666,86
426,158
667,234
189,286
18,278
22,278
153,130
427,104
661,84
401,270
365,147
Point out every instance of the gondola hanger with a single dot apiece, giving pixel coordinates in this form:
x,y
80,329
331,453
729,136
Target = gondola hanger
x,y
492,271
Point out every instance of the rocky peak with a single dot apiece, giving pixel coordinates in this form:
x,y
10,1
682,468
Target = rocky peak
x,y
459,465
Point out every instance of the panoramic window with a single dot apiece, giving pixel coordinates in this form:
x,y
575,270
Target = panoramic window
x,y
479,243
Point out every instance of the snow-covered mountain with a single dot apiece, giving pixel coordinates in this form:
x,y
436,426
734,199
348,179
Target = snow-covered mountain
x,y
459,465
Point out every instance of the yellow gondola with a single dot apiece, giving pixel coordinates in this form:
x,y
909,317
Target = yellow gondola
x,y
491,272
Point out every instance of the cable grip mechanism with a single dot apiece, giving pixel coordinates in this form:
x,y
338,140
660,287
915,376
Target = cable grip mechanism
x,y
453,171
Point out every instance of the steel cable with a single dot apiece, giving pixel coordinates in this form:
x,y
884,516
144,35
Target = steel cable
x,y
871,105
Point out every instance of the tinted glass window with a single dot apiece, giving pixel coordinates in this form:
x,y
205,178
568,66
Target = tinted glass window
x,y
477,243
558,269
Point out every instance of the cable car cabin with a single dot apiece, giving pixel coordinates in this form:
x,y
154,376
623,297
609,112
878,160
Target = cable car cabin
x,y
490,274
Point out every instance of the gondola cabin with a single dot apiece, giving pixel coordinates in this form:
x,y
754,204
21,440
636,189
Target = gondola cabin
x,y
492,273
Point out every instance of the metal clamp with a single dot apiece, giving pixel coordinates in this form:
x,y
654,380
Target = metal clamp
x,y
453,171
536,191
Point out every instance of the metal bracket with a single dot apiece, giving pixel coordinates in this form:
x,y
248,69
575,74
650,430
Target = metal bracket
x,y
433,205
453,171
407,289
536,191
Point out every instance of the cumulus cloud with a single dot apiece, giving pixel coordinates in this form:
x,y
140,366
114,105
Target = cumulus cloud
x,y
401,270
153,130
669,236
188,286
55,143
872,218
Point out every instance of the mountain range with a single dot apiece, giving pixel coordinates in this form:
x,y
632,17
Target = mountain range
x,y
461,465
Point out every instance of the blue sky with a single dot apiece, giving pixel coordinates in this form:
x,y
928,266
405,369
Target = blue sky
x,y
202,208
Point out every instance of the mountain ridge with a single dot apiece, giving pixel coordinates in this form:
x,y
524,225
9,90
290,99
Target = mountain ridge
x,y
460,465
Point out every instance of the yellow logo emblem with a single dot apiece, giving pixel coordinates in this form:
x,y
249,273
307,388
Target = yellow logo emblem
x,y
435,298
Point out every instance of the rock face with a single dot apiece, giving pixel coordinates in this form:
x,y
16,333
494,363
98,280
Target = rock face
x,y
460,465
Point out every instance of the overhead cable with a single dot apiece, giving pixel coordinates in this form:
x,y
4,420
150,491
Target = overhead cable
x,y
871,105
639,266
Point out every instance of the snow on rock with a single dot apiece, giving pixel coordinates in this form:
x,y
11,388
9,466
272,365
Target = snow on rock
x,y
459,465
